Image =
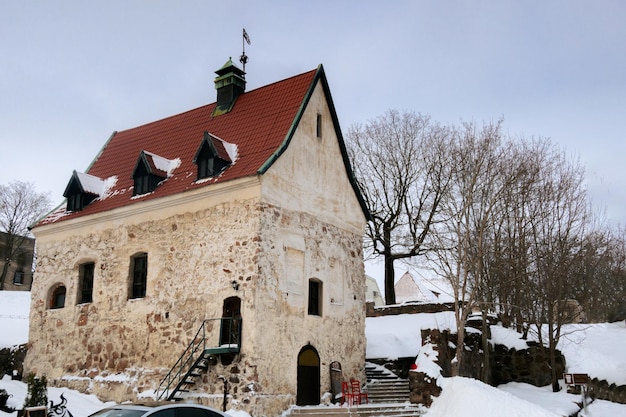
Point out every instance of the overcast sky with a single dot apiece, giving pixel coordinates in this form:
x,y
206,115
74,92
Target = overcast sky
x,y
73,72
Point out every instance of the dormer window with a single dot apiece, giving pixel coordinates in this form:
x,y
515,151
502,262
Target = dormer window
x,y
150,171
212,157
82,190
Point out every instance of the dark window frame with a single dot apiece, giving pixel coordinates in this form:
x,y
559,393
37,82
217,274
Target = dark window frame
x,y
18,277
318,126
138,276
86,276
315,297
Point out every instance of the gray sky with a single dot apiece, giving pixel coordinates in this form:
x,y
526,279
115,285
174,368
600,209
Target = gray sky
x,y
72,72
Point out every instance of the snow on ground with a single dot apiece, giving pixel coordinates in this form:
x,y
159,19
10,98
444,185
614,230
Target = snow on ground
x,y
596,349
78,404
14,311
471,398
400,336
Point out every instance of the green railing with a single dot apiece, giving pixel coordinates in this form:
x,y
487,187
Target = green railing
x,y
228,337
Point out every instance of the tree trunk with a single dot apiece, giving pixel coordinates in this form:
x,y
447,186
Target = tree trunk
x,y
390,291
486,367
5,269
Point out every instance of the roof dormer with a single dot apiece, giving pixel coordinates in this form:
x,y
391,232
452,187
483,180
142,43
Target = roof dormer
x,y
150,170
230,83
81,190
212,157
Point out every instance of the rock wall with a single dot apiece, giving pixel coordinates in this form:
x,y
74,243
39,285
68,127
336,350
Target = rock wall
x,y
602,390
506,365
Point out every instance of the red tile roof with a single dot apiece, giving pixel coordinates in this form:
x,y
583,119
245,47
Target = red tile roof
x,y
259,124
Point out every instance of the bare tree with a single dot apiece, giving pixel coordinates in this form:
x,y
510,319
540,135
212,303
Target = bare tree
x,y
20,207
401,167
482,172
558,225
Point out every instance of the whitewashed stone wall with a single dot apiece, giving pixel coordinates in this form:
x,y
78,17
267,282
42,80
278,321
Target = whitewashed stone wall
x,y
116,347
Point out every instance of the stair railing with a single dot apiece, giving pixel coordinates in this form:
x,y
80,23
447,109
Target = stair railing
x,y
176,376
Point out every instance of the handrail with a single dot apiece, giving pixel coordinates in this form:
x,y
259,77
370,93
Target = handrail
x,y
178,373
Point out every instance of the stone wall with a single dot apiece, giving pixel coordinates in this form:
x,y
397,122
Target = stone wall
x,y
372,311
12,360
602,390
117,347
192,260
507,365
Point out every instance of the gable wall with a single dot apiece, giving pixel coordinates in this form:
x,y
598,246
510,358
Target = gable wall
x,y
310,176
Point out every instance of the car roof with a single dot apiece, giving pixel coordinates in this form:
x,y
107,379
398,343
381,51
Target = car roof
x,y
151,407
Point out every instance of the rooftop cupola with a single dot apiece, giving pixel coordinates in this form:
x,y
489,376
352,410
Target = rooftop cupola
x,y
230,83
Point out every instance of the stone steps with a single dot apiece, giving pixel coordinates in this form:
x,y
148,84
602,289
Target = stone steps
x,y
388,391
368,410
383,386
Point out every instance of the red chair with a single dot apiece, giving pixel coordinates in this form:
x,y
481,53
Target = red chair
x,y
346,395
358,397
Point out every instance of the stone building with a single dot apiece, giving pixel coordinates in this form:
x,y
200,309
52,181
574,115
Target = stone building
x,y
16,256
233,229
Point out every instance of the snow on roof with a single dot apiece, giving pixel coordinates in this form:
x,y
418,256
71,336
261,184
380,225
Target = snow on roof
x,y
164,164
91,184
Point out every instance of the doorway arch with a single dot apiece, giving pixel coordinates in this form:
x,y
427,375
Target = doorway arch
x,y
308,376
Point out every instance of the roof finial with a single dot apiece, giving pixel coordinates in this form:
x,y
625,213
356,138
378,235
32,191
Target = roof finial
x,y
244,58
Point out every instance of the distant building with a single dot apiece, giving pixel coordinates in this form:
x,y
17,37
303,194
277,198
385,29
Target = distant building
x,y
234,229
373,292
19,275
410,289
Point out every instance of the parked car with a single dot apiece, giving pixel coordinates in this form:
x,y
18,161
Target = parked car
x,y
162,410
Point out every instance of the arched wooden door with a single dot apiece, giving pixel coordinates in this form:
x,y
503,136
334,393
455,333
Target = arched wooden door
x,y
308,377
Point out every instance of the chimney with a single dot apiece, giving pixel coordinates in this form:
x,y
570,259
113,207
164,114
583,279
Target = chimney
x,y
230,83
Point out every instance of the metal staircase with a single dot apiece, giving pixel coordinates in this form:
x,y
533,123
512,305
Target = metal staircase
x,y
197,356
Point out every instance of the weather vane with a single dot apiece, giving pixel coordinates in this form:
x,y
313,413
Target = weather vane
x,y
244,58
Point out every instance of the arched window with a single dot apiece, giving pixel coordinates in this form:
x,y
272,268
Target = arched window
x,y
57,298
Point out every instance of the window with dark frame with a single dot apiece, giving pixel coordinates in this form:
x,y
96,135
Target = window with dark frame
x,y
75,202
144,179
315,297
208,160
319,125
86,271
139,275
18,278
206,163
77,197
58,297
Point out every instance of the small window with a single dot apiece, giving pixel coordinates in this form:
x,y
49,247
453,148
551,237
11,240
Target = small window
x,y
77,197
86,283
58,297
315,297
147,175
319,125
18,278
211,157
144,184
75,202
139,275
